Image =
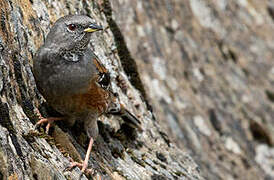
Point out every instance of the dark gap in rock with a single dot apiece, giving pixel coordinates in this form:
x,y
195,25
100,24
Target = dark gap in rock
x,y
215,121
23,99
165,137
35,176
3,20
139,161
28,109
29,138
2,47
233,56
17,146
270,95
186,75
194,90
270,10
9,90
246,163
150,108
259,133
235,175
21,13
246,72
202,71
169,30
117,150
105,130
221,157
227,53
158,177
5,120
127,136
161,157
129,132
18,74
1,175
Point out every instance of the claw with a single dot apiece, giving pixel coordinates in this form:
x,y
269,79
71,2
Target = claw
x,y
74,164
83,166
49,121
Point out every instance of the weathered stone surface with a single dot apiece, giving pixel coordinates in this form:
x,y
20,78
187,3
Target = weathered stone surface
x,y
207,67
119,153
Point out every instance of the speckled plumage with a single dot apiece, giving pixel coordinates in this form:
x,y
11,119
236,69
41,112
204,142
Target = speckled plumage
x,y
69,85
72,79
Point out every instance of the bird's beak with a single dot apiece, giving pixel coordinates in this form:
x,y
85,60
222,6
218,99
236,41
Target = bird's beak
x,y
93,28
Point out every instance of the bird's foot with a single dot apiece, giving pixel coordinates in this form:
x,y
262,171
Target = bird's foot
x,y
83,166
49,121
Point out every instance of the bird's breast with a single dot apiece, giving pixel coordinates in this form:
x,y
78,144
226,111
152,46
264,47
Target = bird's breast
x,y
95,99
72,88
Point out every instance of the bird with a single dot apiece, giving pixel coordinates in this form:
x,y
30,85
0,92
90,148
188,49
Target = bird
x,y
73,81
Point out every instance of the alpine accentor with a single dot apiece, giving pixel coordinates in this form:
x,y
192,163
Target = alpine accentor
x,y
73,80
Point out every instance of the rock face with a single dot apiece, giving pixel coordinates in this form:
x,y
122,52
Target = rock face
x,y
206,69
119,152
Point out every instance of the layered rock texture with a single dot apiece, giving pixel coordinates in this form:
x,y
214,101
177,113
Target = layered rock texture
x,y
199,74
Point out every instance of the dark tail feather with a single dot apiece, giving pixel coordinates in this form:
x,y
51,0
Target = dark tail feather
x,y
131,120
128,117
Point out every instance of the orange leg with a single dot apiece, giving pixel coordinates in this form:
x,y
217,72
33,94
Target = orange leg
x,y
49,121
84,165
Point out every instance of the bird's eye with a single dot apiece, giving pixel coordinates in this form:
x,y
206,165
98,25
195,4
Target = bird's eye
x,y
72,27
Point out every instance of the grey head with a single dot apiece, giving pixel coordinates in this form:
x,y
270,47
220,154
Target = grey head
x,y
63,64
71,33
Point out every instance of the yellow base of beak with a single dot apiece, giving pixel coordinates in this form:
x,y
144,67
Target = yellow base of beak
x,y
91,30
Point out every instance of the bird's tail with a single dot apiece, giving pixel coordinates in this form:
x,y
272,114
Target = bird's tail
x,y
130,119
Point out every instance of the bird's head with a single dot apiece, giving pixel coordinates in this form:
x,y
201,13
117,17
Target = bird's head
x,y
72,32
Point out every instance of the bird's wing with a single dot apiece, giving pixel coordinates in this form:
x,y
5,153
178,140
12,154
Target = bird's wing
x,y
103,75
100,67
115,107
118,109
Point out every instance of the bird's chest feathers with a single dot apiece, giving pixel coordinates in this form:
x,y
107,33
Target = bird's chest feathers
x,y
71,76
72,56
